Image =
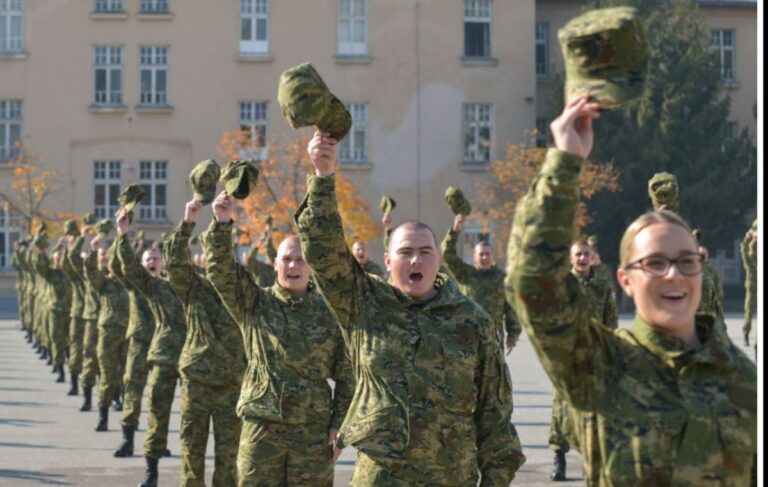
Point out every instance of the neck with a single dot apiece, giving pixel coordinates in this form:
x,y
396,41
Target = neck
x,y
686,334
297,293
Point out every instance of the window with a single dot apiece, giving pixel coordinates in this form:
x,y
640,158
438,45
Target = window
x,y
352,28
541,132
353,148
11,26
254,26
153,177
109,6
477,134
722,42
477,28
10,129
470,236
253,121
108,75
154,6
10,230
153,75
542,49
106,188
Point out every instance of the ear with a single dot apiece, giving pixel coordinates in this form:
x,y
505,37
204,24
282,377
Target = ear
x,y
623,278
387,261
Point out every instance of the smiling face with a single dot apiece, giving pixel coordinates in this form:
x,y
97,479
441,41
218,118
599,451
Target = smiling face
x,y
483,256
668,302
360,251
103,257
581,257
412,260
152,261
292,271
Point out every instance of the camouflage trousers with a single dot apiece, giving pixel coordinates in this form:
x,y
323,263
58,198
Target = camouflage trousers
x,y
40,325
369,473
560,427
110,350
277,454
134,381
161,388
90,359
57,325
200,405
750,304
76,331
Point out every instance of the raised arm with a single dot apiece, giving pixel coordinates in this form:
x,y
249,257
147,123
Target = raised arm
x,y
181,273
512,326
460,269
91,271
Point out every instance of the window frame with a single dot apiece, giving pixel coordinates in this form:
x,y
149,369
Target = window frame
x,y
352,47
475,7
111,69
256,122
720,50
154,6
109,6
149,209
11,115
153,67
10,43
10,232
253,46
355,155
541,38
111,171
477,125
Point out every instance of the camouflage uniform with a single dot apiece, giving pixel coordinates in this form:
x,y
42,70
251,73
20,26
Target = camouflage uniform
x,y
711,293
57,301
71,264
648,409
168,338
40,291
293,347
20,277
485,287
263,273
91,311
433,396
211,364
112,323
748,250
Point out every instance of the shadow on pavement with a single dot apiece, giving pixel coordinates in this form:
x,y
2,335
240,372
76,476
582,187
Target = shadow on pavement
x,y
42,477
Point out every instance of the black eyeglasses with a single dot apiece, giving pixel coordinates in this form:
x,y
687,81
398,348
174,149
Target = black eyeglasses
x,y
658,265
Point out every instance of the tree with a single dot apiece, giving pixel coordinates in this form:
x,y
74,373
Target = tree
x,y
680,125
282,186
510,179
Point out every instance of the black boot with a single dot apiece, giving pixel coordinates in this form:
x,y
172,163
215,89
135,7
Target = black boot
x,y
36,346
103,415
43,353
29,336
50,358
55,369
166,452
126,447
151,480
746,339
61,379
73,387
86,399
117,403
559,471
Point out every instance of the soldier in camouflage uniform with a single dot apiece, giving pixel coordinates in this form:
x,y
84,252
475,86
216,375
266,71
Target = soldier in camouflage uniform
x,y
71,264
433,397
360,253
40,290
25,281
711,285
112,323
16,263
483,282
212,363
290,416
164,351
642,389
263,272
748,251
90,318
600,269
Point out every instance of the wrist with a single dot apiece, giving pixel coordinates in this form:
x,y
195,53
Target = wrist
x,y
323,173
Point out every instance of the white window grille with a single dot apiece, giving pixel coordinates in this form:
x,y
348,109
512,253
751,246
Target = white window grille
x,y
11,26
477,28
106,188
10,231
470,236
478,126
541,132
153,178
542,49
254,26
108,75
723,42
109,6
154,6
10,129
353,149
352,27
153,75
253,121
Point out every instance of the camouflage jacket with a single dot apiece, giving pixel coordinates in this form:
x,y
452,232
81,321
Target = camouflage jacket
x,y
486,288
213,352
167,310
141,323
113,298
70,267
433,395
56,286
603,273
292,344
600,296
664,414
372,267
90,297
263,273
748,251
711,293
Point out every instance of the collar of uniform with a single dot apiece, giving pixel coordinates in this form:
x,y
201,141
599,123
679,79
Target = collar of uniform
x,y
447,295
665,346
286,296
583,279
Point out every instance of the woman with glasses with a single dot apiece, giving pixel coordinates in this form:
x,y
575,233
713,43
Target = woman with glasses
x,y
670,401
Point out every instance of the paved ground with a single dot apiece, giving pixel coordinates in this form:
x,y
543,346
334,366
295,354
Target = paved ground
x,y
44,439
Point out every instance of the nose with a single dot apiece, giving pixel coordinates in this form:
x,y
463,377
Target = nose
x,y
291,264
416,259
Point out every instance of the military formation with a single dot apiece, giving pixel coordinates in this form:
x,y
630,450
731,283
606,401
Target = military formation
x,y
311,347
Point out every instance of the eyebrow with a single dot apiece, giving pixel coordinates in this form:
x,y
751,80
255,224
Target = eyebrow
x,y
662,254
426,247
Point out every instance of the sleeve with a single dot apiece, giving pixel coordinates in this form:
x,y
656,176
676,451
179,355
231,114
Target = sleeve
x,y
344,386
74,258
92,274
130,266
511,324
181,274
553,312
499,452
611,316
340,279
460,269
67,268
42,265
237,290
270,250
385,238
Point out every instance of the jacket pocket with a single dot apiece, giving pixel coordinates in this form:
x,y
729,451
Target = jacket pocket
x,y
460,392
260,396
382,435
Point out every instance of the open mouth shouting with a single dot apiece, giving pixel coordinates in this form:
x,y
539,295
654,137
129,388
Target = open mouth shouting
x,y
415,277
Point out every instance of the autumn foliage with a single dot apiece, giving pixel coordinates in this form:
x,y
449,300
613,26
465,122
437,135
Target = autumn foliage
x,y
281,188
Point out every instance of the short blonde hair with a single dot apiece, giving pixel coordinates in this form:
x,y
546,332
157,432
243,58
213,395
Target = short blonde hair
x,y
646,220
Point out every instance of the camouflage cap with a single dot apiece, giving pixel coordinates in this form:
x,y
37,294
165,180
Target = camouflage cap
x,y
268,220
456,200
239,178
606,55
203,179
663,190
42,228
387,204
130,197
103,227
41,241
305,100
89,219
70,228
592,241
754,225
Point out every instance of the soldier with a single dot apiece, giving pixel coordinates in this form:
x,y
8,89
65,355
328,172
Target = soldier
x,y
483,282
40,290
640,389
167,341
433,397
290,418
360,252
601,270
263,272
71,264
711,285
15,262
112,323
91,312
212,363
748,251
